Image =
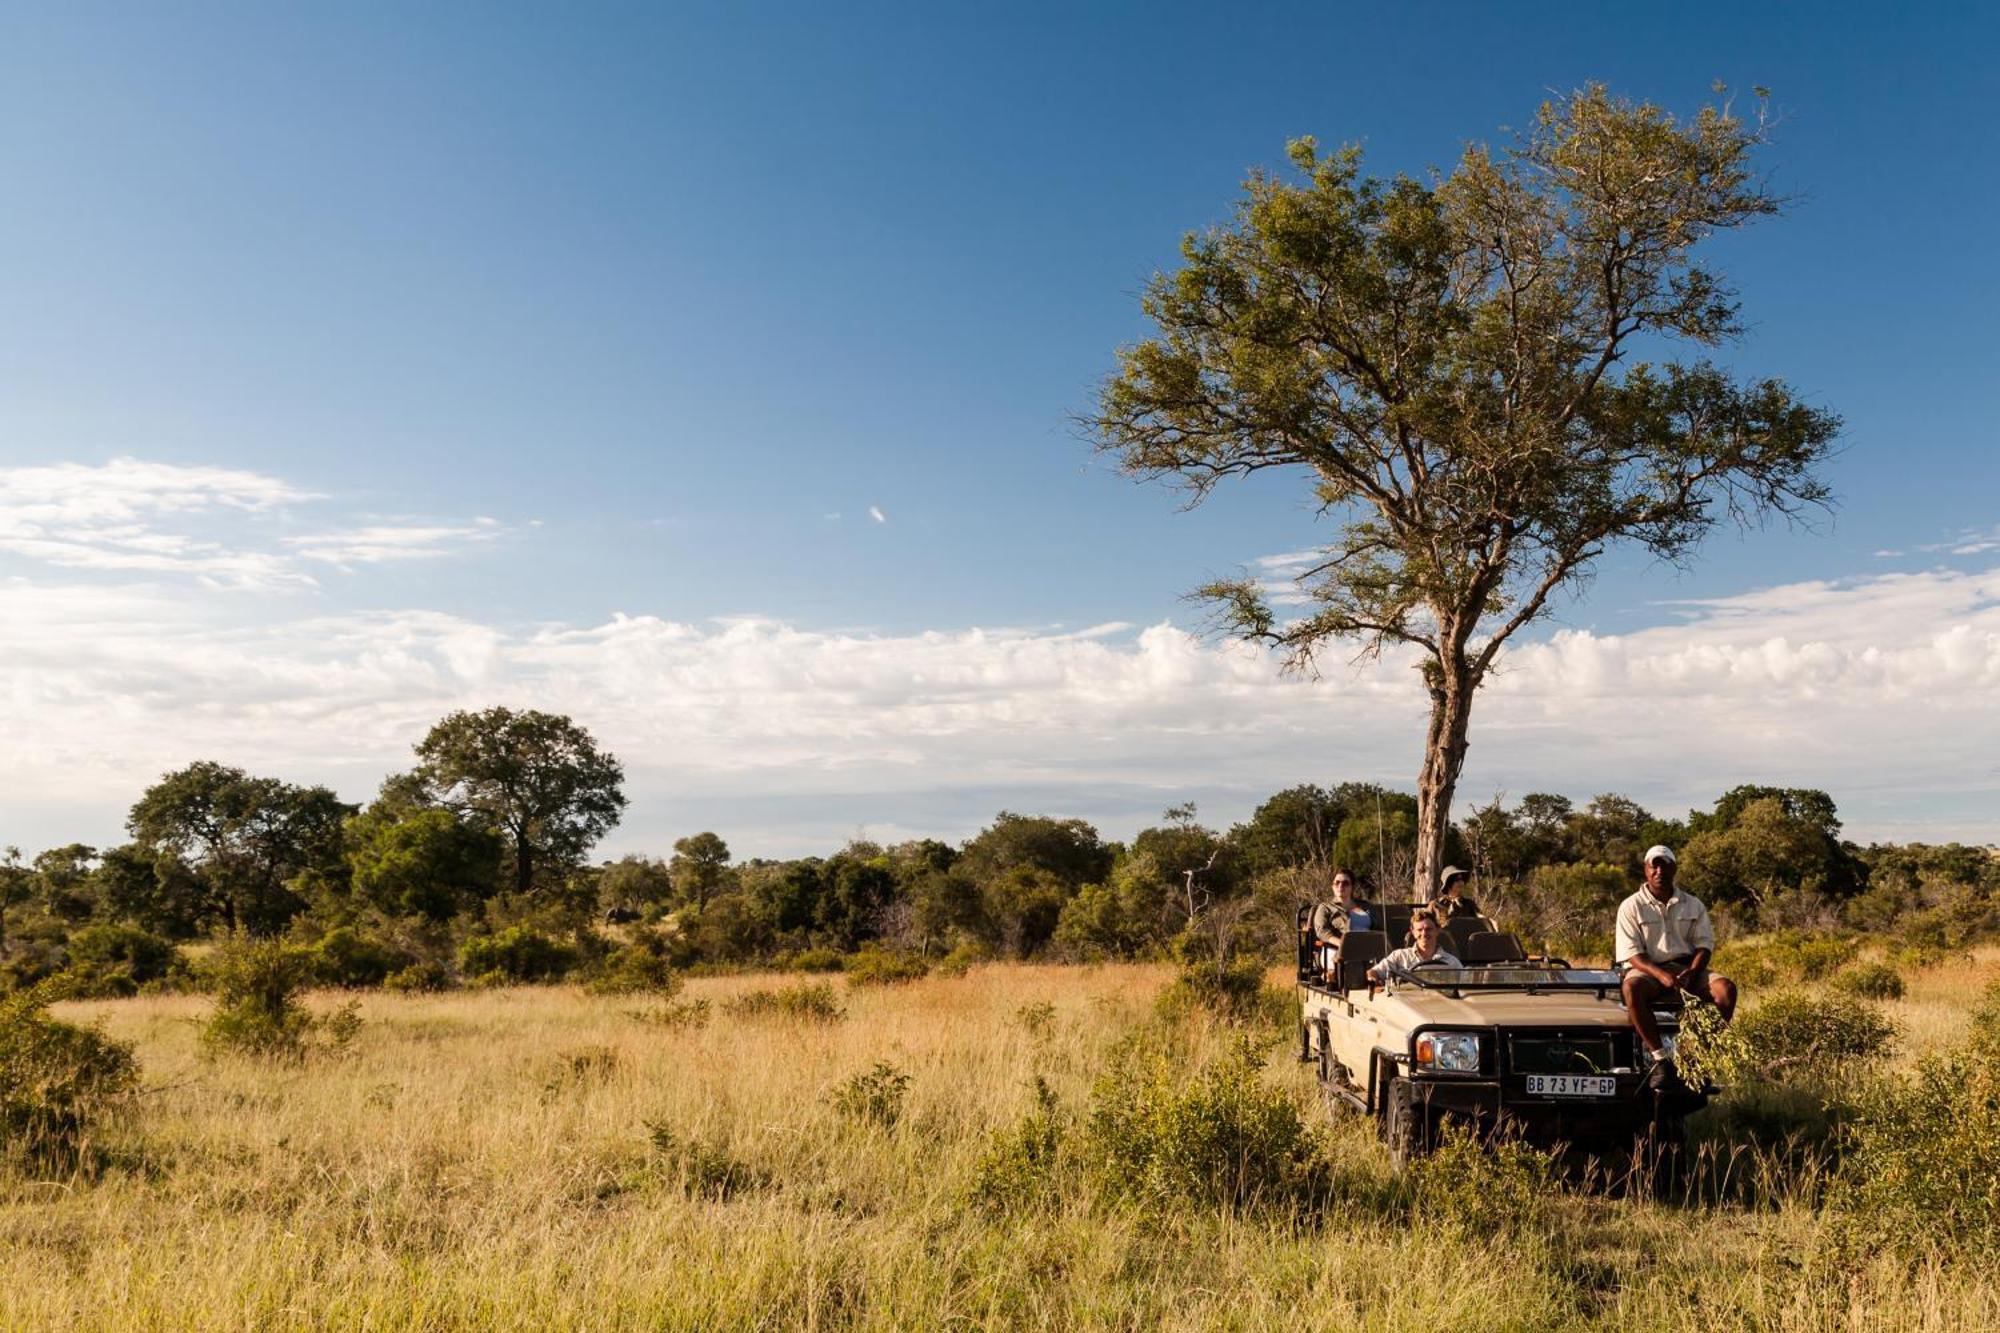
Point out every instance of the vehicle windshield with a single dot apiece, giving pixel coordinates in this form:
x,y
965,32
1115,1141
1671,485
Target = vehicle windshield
x,y
1511,976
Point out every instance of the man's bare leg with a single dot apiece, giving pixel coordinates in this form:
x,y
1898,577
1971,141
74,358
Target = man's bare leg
x,y
1640,992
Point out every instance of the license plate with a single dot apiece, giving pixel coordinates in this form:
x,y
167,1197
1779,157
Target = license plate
x,y
1571,1085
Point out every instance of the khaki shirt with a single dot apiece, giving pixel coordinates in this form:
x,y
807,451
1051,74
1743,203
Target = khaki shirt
x,y
1658,931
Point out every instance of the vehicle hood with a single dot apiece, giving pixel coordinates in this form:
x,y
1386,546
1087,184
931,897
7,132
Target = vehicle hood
x,y
1411,1007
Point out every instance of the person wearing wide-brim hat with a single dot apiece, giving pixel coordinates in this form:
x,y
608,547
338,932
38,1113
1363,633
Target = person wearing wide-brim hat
x,y
1450,900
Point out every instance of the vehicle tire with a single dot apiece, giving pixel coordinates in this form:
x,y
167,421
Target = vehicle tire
x,y
1405,1127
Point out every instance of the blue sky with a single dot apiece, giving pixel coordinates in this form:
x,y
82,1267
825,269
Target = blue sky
x,y
574,313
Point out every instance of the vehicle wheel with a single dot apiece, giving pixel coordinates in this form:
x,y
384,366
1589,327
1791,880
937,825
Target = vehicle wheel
x,y
1327,1064
1404,1125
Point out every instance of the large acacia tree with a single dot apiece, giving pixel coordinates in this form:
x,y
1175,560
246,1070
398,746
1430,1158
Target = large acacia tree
x,y
1474,373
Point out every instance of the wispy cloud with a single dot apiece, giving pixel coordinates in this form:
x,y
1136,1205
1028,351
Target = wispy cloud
x,y
875,512
1885,691
141,517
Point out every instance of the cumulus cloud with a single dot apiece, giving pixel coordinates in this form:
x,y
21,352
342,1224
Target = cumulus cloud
x,y
1885,691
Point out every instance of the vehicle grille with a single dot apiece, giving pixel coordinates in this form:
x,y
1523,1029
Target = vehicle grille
x,y
1593,1052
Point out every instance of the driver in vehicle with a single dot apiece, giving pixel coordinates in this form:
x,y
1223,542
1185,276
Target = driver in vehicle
x,y
1664,943
1425,953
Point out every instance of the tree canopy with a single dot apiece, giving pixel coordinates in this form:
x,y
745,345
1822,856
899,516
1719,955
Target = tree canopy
x,y
537,777
1469,369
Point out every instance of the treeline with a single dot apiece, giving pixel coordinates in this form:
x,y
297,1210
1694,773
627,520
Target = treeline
x,y
474,865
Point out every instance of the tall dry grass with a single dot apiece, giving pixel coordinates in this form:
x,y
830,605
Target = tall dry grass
x,y
490,1160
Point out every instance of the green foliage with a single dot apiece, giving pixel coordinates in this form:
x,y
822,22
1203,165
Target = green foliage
x,y
1762,841
1037,1019
699,868
1220,1138
421,978
1789,1035
873,1097
113,960
812,1002
1785,956
59,1083
1471,1191
517,955
1918,1174
1870,981
428,862
241,840
880,967
818,960
704,1167
537,777
1019,1165
257,1009
642,966
345,957
679,1016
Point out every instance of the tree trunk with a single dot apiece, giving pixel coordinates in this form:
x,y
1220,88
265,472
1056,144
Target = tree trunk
x,y
524,864
1444,756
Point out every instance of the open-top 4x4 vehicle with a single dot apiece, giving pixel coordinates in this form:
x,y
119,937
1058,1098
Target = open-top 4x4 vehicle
x,y
1504,1043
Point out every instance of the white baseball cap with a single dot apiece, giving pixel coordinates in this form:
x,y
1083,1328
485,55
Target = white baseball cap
x,y
1659,852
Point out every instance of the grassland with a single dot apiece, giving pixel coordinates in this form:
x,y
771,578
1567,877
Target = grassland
x,y
490,1159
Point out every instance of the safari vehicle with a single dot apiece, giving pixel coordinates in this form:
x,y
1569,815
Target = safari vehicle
x,y
1504,1043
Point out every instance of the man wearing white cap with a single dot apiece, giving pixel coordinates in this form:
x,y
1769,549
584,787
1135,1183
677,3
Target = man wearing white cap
x,y
1664,943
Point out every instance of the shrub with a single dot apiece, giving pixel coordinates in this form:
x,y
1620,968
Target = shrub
x,y
1871,981
641,967
1221,1137
109,950
686,1014
963,957
704,1167
817,960
58,1082
1019,1165
1234,992
879,967
515,955
1918,1173
875,1097
1790,1034
347,958
421,978
1473,1190
257,1010
1038,1018
812,1002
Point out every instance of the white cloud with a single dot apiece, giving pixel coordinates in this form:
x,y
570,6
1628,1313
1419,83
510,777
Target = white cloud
x,y
875,512
1885,691
133,516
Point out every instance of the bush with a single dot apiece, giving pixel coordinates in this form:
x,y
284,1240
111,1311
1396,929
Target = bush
x,y
1019,1165
514,956
963,957
817,960
1791,1034
812,1002
421,978
345,957
687,1014
641,967
704,1168
1222,1137
257,1010
1234,992
101,952
1918,1174
875,1097
1870,981
879,967
58,1082
1473,1190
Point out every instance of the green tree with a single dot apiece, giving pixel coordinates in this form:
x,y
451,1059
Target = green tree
x,y
1069,850
1761,841
700,868
428,863
242,839
1292,828
537,777
1457,364
635,882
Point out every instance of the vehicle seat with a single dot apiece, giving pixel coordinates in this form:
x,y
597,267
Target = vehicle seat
x,y
1491,946
1458,935
1359,951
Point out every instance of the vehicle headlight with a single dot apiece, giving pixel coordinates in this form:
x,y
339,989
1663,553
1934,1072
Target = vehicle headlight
x,y
1449,1052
